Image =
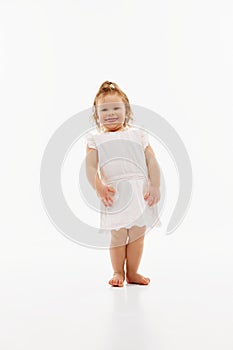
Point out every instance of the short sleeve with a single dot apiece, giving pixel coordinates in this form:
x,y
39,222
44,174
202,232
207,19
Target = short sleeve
x,y
144,138
90,141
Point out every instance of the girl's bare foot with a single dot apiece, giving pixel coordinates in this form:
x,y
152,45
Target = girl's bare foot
x,y
136,278
117,280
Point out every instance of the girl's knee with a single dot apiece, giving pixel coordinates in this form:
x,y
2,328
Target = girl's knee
x,y
118,237
136,233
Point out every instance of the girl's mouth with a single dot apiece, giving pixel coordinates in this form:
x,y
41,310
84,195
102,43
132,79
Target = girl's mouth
x,y
111,120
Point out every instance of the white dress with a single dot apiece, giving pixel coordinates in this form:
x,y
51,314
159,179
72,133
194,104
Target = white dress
x,y
122,165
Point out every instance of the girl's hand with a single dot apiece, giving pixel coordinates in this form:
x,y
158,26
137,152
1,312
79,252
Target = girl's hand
x,y
105,193
153,195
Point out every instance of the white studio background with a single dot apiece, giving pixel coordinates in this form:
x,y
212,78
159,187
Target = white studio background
x,y
173,57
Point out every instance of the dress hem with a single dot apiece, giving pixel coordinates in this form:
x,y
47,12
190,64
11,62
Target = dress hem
x,y
107,230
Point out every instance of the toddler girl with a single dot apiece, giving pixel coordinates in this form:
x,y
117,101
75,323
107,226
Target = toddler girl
x,y
121,167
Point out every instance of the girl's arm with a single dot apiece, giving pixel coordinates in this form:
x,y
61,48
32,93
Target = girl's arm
x,y
153,167
92,168
104,192
153,194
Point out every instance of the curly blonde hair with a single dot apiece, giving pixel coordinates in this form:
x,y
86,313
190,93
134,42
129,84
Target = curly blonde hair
x,y
107,88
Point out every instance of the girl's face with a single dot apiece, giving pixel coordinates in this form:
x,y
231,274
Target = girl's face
x,y
111,112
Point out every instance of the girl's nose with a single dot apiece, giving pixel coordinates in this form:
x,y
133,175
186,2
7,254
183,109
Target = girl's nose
x,y
111,113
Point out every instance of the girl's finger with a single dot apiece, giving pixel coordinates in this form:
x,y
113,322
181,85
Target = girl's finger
x,y
112,194
104,202
151,201
111,189
146,195
107,201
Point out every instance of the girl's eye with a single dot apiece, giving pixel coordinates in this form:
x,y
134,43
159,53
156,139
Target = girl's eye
x,y
116,108
103,110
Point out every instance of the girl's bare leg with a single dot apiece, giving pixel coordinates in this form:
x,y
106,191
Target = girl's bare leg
x,y
134,250
118,255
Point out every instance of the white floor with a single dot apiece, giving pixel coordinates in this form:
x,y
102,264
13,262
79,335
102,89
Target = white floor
x,y
61,300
